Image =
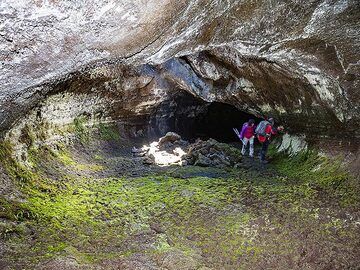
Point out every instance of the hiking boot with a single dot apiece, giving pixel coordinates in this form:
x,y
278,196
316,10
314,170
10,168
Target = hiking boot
x,y
264,161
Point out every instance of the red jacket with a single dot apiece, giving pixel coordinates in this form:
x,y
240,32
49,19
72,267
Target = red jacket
x,y
247,131
269,130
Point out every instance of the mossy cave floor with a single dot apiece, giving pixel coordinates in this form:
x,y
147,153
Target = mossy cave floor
x,y
92,206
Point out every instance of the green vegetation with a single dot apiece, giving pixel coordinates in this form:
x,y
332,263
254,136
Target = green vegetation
x,y
65,157
108,132
13,210
81,210
235,217
18,172
318,172
81,130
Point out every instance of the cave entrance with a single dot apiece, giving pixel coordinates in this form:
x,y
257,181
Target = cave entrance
x,y
217,121
194,118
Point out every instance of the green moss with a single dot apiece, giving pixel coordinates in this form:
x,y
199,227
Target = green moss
x,y
319,172
162,243
65,157
81,130
108,132
8,230
55,248
199,211
89,167
85,212
14,210
98,157
18,172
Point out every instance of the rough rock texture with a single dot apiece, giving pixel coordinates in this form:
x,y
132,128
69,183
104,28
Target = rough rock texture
x,y
296,60
171,149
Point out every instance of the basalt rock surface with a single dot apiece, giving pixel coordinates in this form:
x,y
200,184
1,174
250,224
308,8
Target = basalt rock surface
x,y
172,150
126,61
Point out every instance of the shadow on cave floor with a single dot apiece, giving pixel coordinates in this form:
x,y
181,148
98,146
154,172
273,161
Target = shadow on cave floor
x,y
116,160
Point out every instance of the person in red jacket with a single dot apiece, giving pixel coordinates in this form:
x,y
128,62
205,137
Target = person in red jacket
x,y
265,137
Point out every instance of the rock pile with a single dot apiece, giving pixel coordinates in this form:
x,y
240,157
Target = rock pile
x,y
212,153
171,149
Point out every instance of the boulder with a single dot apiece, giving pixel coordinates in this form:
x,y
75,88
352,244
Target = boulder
x,y
170,137
203,161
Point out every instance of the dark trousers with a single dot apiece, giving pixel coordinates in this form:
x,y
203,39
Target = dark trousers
x,y
264,149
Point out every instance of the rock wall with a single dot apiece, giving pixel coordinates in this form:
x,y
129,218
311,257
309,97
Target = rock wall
x,y
298,61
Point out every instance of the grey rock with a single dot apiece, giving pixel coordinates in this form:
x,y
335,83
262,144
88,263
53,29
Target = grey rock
x,y
170,137
66,263
203,161
136,150
148,160
176,259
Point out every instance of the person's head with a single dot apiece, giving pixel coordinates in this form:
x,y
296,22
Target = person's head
x,y
271,120
251,122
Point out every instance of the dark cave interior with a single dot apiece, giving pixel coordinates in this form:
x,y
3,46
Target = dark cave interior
x,y
194,118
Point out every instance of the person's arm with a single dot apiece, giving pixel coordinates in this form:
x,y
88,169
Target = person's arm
x,y
274,131
242,133
268,131
280,128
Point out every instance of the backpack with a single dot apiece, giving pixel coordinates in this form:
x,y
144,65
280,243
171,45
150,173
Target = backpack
x,y
260,129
